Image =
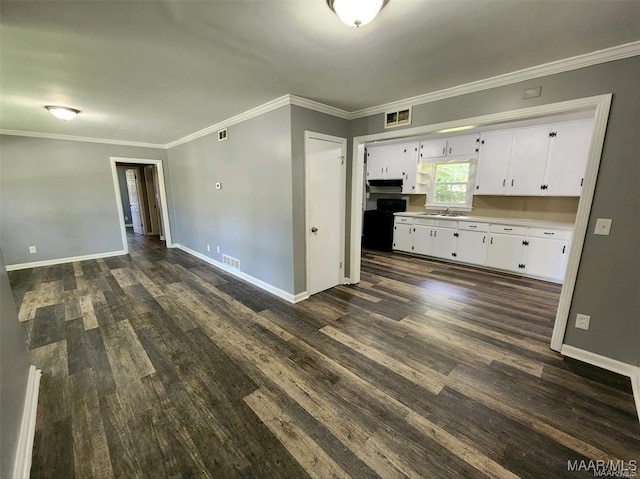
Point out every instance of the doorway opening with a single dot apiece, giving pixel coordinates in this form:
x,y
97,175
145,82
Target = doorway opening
x,y
599,105
141,199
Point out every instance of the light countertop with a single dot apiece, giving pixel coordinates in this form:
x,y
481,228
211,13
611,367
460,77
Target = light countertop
x,y
490,219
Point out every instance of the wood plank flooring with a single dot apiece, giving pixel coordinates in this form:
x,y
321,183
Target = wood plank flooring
x,y
157,365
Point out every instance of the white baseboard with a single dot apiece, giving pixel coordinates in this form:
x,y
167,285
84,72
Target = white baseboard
x,y
248,278
633,372
50,262
22,466
300,297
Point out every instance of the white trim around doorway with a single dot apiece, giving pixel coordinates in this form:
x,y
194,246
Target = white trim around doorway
x,y
163,197
599,104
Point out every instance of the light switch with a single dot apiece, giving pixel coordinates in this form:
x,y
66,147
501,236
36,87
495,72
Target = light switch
x,y
603,226
218,186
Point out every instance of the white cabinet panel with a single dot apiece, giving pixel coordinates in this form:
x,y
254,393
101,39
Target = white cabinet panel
x,y
444,242
376,163
567,159
546,258
471,246
463,145
528,161
410,167
422,240
402,237
433,148
505,251
493,163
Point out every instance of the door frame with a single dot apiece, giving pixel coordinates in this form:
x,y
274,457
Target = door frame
x,y
599,104
163,196
309,135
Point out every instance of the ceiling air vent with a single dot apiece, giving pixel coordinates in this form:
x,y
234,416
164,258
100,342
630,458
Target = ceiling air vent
x,y
223,135
393,119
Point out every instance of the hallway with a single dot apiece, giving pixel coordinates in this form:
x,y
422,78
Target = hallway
x,y
156,364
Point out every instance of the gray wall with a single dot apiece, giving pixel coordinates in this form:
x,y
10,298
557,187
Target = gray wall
x,y
303,119
14,372
59,196
609,276
250,217
124,195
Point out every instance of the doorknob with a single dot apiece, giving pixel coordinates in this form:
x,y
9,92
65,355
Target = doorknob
x,y
314,230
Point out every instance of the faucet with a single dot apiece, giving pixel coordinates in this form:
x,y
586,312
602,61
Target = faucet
x,y
446,212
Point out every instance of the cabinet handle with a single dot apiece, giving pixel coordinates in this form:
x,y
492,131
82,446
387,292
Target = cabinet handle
x,y
484,239
454,255
414,230
431,233
563,248
444,151
504,182
449,150
491,242
456,235
548,233
435,233
507,229
472,226
511,182
381,170
581,181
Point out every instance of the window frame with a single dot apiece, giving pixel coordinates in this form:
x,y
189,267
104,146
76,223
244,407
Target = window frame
x,y
470,183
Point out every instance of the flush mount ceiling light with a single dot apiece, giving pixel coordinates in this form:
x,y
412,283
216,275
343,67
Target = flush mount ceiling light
x,y
356,12
63,112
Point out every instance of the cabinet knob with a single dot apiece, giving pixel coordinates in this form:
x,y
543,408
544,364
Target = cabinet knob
x,y
314,230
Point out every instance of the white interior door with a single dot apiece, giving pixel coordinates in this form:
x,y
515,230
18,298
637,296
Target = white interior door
x,y
325,211
134,201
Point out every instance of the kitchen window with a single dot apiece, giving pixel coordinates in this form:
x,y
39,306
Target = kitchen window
x,y
450,183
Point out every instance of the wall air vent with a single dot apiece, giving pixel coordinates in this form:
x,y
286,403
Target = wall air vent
x,y
223,135
393,119
233,262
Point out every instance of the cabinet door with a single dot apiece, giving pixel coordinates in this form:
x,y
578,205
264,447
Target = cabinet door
x,y
375,163
423,240
567,159
528,161
493,163
403,237
471,246
546,258
505,252
463,145
394,162
410,162
444,243
433,148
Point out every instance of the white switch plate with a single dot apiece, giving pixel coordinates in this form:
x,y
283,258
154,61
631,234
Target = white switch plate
x,y
32,249
218,186
603,226
582,321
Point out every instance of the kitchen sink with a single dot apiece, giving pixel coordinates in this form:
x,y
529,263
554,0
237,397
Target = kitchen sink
x,y
442,215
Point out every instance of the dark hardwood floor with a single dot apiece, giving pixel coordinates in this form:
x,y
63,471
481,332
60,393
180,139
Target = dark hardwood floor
x,y
157,365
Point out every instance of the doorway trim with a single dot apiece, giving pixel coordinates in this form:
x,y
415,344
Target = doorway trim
x,y
308,135
163,196
600,104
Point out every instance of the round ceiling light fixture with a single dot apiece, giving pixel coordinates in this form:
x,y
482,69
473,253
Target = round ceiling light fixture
x,y
63,112
356,13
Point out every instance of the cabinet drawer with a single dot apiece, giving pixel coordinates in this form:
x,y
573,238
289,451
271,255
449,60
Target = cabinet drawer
x,y
560,234
509,229
446,223
403,219
470,226
424,222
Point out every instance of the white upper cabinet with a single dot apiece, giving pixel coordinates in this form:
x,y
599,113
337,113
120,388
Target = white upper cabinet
x,y
548,160
493,164
393,162
528,161
567,160
456,146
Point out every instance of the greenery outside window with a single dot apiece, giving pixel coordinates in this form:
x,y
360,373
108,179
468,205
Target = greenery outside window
x,y
451,183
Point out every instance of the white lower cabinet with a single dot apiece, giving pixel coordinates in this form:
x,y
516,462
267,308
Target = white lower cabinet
x,y
527,250
505,251
403,237
423,240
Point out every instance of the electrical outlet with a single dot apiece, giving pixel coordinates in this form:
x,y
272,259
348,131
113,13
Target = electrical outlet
x,y
208,248
582,321
32,249
218,249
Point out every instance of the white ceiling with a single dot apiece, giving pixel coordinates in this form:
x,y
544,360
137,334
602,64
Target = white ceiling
x,y
155,71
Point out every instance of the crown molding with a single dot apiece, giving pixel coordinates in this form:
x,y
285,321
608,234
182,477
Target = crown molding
x,y
319,107
618,52
247,115
85,139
